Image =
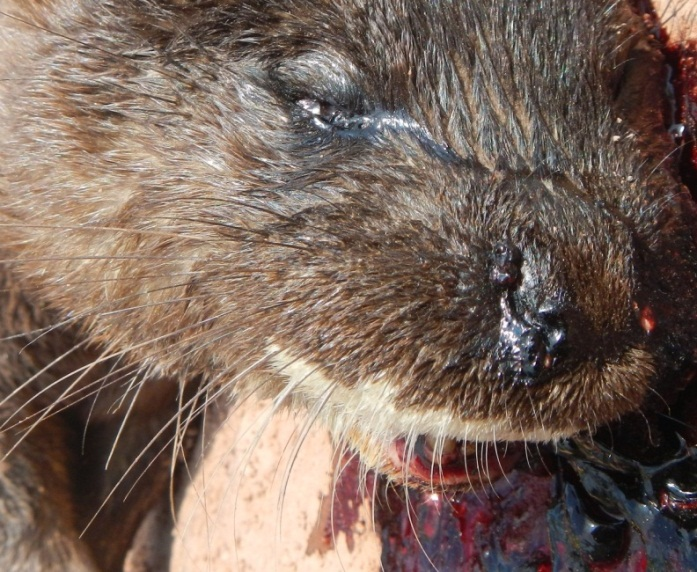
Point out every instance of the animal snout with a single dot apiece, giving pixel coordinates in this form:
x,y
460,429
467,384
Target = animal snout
x,y
529,345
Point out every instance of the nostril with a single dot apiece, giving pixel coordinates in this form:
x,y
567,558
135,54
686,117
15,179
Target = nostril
x,y
556,338
534,354
553,329
529,346
505,265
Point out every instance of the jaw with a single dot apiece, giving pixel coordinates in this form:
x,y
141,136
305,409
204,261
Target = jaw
x,y
418,446
436,448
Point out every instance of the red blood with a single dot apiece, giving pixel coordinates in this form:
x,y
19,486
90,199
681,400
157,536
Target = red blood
x,y
647,319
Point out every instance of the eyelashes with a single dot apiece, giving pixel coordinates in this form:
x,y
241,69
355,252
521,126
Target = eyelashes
x,y
324,91
335,120
333,105
329,100
331,117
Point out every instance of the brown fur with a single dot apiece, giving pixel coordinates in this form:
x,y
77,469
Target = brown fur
x,y
219,192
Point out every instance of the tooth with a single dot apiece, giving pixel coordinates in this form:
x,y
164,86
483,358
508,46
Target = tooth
x,y
450,447
469,448
429,444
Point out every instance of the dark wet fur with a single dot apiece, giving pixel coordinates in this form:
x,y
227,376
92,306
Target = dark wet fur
x,y
374,186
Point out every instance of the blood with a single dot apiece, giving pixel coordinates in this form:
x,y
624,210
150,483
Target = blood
x,y
584,514
502,525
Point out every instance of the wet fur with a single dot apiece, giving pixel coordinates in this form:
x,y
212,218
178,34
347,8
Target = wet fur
x,y
181,206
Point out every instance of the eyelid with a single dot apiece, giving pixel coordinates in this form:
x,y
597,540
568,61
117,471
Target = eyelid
x,y
325,90
329,116
372,124
321,77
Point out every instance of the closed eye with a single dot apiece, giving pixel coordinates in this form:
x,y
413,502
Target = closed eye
x,y
337,120
328,116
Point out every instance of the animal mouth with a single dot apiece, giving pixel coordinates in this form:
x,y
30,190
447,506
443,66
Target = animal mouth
x,y
451,463
420,447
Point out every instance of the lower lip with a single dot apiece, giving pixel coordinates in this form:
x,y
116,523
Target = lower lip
x,y
486,463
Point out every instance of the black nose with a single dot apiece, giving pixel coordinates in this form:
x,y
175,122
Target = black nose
x,y
529,346
506,260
